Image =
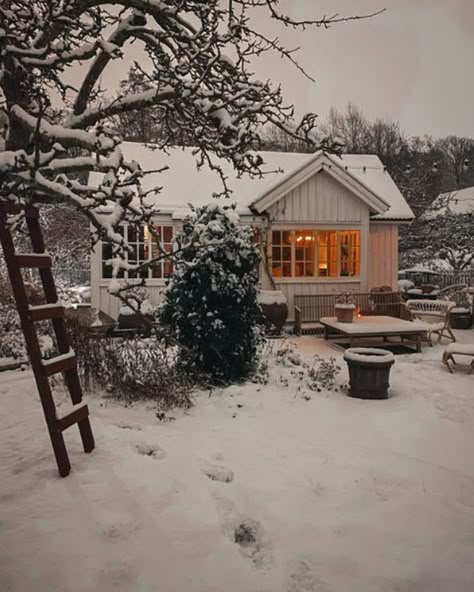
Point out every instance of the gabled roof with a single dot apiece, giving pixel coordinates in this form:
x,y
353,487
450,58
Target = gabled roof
x,y
312,165
183,183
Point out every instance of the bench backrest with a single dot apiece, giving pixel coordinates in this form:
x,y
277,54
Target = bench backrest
x,y
312,307
440,307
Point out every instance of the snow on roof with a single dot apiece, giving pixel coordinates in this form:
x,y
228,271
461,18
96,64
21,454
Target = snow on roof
x,y
369,170
184,183
457,202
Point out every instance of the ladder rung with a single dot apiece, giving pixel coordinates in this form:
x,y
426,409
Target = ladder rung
x,y
80,413
60,363
46,312
35,260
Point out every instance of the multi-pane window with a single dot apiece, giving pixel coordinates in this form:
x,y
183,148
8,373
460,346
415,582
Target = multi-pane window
x,y
304,253
164,267
142,247
281,253
327,254
350,253
315,253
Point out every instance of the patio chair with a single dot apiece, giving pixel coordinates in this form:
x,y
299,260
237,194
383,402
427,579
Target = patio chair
x,y
433,313
460,349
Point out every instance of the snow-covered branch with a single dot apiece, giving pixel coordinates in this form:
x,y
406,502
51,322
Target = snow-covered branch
x,y
194,75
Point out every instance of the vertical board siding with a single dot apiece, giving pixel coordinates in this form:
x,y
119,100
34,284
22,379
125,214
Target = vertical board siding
x,y
319,199
383,255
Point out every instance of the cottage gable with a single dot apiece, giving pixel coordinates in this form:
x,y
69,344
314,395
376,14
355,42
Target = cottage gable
x,y
320,198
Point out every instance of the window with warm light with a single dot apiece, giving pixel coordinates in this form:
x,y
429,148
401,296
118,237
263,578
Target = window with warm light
x,y
282,253
142,248
315,253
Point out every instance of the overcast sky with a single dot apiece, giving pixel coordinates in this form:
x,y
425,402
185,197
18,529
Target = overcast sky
x,y
414,63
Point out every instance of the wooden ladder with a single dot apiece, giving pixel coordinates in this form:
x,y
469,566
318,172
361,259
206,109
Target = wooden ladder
x,y
65,362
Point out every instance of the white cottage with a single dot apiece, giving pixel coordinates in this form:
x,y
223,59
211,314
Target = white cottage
x,y
330,223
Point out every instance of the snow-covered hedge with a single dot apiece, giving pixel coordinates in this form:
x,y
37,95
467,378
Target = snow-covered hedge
x,y
210,304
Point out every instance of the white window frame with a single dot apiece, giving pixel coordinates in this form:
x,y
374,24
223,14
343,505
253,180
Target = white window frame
x,y
314,277
150,280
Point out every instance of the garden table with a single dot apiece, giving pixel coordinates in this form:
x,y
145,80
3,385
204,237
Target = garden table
x,y
376,326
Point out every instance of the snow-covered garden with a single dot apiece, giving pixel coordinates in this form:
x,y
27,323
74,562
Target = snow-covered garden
x,y
258,487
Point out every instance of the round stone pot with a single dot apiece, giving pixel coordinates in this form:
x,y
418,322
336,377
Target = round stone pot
x,y
460,319
369,372
345,312
275,310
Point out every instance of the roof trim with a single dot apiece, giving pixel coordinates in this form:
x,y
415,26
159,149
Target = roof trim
x,y
313,165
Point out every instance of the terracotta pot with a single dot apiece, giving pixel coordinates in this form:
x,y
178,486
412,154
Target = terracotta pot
x,y
345,313
369,372
275,310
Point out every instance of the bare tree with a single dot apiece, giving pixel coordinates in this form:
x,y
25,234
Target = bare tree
x,y
197,55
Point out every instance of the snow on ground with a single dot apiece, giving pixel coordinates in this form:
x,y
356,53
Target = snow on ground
x,y
255,489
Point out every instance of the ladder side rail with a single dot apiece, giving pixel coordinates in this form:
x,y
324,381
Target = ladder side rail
x,y
33,347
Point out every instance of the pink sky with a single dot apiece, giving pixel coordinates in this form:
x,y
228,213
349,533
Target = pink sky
x,y
412,64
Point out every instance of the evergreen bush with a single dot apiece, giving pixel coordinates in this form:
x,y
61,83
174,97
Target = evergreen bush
x,y
210,304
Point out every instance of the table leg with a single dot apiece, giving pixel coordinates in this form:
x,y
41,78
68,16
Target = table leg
x,y
418,344
326,334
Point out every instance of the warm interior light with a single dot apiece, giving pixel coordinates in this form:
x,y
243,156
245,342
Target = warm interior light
x,y
299,239
308,238
323,266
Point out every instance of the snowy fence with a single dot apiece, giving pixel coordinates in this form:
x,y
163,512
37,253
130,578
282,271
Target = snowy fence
x,y
456,277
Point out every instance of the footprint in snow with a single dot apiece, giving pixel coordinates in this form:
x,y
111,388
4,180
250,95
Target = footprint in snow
x,y
219,473
128,426
248,535
303,580
152,450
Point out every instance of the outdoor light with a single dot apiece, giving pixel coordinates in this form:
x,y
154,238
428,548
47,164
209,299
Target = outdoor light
x,y
434,168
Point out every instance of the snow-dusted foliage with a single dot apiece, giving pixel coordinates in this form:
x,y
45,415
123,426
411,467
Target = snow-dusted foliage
x,y
195,67
210,305
12,342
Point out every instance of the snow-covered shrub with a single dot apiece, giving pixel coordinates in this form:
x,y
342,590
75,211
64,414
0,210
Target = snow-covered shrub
x,y
134,369
322,374
210,304
288,356
12,342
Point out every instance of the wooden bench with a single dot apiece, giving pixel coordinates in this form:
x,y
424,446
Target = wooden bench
x,y
310,308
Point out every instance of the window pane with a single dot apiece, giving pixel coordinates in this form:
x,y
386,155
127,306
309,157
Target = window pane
x,y
276,252
286,269
106,271
168,268
132,234
286,253
156,271
167,234
276,269
276,237
287,237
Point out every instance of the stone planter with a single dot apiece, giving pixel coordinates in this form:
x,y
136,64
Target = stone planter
x,y
345,312
275,310
460,318
369,371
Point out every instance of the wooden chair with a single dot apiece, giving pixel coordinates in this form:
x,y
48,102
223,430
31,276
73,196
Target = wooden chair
x,y
460,349
435,314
